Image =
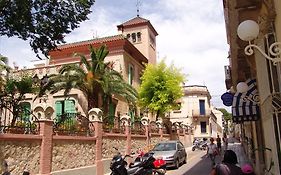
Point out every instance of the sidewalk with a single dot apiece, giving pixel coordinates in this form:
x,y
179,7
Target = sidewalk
x,y
235,145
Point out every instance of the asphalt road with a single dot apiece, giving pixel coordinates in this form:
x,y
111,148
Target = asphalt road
x,y
197,164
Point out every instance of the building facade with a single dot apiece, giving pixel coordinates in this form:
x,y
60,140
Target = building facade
x,y
196,112
130,50
257,109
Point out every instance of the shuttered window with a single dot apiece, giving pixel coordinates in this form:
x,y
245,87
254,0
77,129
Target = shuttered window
x,y
66,106
203,127
202,107
130,74
59,108
69,106
26,107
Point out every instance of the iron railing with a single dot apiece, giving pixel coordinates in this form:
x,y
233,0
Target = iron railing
x,y
72,124
28,124
138,128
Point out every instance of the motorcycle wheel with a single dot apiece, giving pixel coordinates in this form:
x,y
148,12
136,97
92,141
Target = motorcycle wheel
x,y
193,148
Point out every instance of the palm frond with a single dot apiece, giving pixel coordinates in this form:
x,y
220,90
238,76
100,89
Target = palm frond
x,y
84,61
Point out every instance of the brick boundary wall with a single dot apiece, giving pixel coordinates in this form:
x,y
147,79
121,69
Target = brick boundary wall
x,y
51,150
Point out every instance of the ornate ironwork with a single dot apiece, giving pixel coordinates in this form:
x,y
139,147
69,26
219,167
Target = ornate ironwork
x,y
273,50
72,124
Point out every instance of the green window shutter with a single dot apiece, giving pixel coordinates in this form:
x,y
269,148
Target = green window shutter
x,y
58,108
132,115
26,111
69,106
112,108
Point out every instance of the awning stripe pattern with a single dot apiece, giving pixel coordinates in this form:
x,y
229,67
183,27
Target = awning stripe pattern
x,y
245,105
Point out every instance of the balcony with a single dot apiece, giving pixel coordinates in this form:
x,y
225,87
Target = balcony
x,y
196,113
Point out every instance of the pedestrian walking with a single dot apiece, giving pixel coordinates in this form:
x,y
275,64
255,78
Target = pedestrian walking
x,y
247,169
212,151
225,141
219,143
228,165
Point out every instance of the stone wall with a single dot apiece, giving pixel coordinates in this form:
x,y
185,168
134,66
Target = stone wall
x,y
109,142
138,143
72,154
20,155
155,139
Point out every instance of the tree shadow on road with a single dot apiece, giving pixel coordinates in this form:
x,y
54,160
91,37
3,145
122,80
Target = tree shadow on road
x,y
203,167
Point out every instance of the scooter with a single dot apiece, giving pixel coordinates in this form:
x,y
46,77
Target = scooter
x,y
159,165
145,165
201,145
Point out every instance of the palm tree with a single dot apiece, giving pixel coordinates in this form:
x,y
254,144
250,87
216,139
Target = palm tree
x,y
92,77
13,94
113,84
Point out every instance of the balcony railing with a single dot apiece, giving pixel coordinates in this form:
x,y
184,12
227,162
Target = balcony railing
x,y
198,113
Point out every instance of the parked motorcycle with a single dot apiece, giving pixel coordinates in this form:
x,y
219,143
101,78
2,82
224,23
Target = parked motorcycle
x,y
146,165
199,144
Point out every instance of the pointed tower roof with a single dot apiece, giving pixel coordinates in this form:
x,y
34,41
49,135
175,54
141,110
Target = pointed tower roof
x,y
137,21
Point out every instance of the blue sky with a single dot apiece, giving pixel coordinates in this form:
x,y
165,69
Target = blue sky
x,y
192,36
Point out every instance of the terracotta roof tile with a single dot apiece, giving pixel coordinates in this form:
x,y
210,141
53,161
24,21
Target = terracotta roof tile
x,y
136,20
92,41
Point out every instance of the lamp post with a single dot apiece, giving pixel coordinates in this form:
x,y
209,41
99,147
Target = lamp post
x,y
249,30
43,81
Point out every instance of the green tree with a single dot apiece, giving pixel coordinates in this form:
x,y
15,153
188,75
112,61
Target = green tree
x,y
113,84
43,23
92,77
4,64
160,88
4,70
14,93
227,117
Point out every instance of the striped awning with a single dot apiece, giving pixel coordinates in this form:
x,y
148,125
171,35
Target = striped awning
x,y
245,106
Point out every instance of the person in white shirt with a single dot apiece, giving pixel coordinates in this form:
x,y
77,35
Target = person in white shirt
x,y
212,151
225,141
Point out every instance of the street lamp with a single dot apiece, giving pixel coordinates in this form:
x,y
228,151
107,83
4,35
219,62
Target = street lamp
x,y
242,87
44,80
249,30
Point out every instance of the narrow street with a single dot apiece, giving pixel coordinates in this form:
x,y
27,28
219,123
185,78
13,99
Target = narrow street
x,y
199,164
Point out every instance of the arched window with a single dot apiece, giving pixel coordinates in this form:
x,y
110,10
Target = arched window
x,y
134,37
128,36
139,37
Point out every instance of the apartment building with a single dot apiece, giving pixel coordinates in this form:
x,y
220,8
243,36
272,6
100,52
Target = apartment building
x,y
254,76
196,111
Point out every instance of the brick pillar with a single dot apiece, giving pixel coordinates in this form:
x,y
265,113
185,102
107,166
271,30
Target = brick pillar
x,y
147,134
161,133
178,131
46,131
129,139
98,155
187,137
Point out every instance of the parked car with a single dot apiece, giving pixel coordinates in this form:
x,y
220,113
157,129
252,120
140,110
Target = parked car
x,y
173,152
